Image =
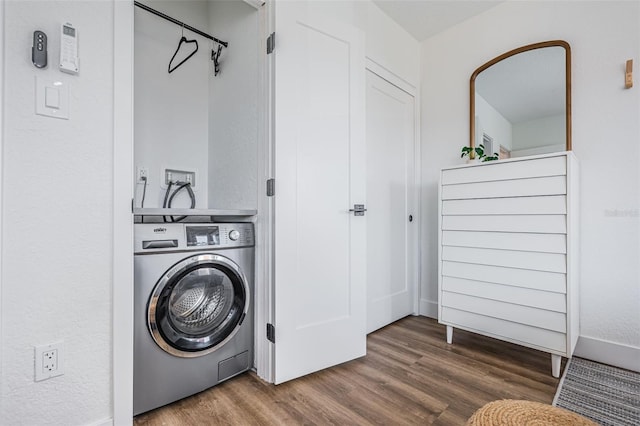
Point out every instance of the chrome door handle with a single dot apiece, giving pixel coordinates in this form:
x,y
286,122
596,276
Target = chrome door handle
x,y
358,210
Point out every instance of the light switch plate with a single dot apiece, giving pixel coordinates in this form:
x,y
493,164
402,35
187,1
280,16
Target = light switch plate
x,y
52,98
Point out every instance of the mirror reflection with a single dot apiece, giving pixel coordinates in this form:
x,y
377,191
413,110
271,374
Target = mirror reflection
x,y
521,101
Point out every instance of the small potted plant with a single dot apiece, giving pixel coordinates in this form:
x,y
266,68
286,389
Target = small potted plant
x,y
477,154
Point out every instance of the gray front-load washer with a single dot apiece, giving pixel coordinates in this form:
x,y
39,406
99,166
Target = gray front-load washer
x,y
193,308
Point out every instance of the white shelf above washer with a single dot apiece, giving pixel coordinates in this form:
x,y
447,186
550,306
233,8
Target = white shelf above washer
x,y
223,214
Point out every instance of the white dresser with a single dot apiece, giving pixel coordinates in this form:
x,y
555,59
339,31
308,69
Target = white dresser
x,y
508,252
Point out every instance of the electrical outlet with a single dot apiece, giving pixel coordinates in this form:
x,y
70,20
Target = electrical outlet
x,y
142,174
49,361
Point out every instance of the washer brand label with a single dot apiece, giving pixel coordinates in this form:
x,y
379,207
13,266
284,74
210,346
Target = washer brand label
x,y
160,230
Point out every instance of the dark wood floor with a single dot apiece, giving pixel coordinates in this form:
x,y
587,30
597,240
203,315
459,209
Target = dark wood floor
x,y
409,376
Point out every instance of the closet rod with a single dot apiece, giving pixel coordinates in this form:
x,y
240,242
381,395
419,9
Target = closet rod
x,y
182,24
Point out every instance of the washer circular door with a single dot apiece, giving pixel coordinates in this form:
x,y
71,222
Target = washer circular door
x,y
198,305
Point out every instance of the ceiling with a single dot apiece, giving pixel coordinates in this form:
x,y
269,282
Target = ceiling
x,y
424,18
503,87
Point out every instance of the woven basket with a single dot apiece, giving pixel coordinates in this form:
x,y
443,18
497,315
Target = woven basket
x,y
509,412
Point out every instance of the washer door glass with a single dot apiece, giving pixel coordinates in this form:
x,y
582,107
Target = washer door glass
x,y
198,305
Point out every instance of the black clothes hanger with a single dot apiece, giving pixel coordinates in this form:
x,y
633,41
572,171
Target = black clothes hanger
x,y
183,39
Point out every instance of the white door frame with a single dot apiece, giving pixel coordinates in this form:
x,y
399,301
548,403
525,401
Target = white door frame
x,y
122,292
412,90
123,191
3,26
265,224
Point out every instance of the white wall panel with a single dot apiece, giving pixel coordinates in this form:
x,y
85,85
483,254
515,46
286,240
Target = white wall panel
x,y
233,108
57,190
171,124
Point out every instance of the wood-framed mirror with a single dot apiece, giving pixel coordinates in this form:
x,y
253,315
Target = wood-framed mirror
x,y
521,101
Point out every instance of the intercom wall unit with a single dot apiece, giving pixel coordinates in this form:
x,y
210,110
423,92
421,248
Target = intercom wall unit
x,y
68,49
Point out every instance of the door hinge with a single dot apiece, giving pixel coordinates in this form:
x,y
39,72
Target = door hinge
x,y
271,43
132,205
271,187
271,333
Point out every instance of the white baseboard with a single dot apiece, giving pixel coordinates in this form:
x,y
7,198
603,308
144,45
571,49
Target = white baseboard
x,y
429,308
606,352
603,351
103,422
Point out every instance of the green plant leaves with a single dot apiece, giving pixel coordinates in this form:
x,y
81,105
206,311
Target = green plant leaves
x,y
479,153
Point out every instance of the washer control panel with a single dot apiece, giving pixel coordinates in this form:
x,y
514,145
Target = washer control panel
x,y
159,237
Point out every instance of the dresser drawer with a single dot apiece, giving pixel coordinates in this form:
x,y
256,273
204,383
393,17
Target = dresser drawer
x,y
534,317
552,224
546,243
554,204
525,335
538,280
550,262
518,169
521,296
551,185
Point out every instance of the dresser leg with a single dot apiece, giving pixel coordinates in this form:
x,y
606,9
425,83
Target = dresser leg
x,y
556,361
449,334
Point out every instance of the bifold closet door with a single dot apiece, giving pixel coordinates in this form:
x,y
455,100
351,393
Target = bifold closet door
x,y
320,247
391,235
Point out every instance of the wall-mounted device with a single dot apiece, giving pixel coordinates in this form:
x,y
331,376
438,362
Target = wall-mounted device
x,y
39,49
69,49
184,176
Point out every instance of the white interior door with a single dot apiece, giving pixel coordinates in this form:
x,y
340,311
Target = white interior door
x,y
320,246
391,235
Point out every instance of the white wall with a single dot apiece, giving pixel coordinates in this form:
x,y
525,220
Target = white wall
x,y
233,108
542,135
57,219
387,44
606,130
171,110
492,123
2,124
